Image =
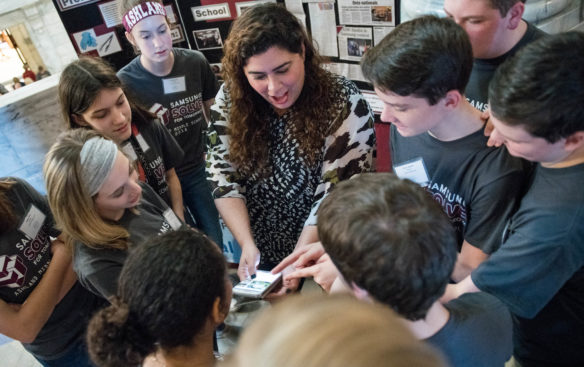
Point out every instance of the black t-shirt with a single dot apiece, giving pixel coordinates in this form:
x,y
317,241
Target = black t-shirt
x,y
478,332
98,269
177,99
25,255
477,186
538,271
156,150
477,89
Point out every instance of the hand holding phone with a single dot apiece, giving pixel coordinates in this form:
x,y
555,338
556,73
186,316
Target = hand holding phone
x,y
259,286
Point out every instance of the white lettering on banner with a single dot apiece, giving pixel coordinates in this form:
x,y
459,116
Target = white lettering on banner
x,y
68,4
216,11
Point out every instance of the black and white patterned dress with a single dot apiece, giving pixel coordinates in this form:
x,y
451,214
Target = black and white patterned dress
x,y
286,201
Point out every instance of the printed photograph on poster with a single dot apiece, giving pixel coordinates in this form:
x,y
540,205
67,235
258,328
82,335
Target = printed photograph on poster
x,y
70,4
357,46
211,12
170,13
371,12
354,42
108,44
241,6
208,39
85,40
176,34
110,14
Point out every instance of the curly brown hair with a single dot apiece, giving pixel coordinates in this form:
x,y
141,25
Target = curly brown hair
x,y
254,32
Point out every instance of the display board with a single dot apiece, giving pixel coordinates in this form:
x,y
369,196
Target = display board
x,y
94,28
343,30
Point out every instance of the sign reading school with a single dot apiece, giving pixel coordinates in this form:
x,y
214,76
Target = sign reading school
x,y
215,11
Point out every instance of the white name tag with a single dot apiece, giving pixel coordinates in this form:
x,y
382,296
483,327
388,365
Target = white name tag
x,y
414,170
174,85
128,150
143,145
172,219
33,221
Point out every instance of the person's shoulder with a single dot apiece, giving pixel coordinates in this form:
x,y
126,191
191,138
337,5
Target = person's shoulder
x,y
182,54
130,69
533,32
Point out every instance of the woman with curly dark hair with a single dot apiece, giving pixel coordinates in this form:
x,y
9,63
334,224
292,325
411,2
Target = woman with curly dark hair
x,y
173,292
284,131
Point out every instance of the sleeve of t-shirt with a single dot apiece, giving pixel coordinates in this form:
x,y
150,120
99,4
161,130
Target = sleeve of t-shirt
x,y
348,151
172,153
525,273
96,274
34,197
494,201
221,175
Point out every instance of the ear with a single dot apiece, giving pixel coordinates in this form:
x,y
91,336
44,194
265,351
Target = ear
x,y
218,313
514,15
131,39
78,119
360,293
575,141
452,99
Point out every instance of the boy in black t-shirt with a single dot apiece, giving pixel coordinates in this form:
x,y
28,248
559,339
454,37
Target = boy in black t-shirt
x,y
420,71
536,108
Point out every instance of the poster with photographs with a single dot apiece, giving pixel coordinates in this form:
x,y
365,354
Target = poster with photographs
x,y
207,39
354,42
369,12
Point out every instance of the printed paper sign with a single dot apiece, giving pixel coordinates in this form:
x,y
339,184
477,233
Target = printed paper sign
x,y
70,4
215,11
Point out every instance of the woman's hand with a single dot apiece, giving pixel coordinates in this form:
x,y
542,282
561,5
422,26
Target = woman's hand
x,y
250,258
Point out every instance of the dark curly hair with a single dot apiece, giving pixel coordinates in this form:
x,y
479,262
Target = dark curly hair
x,y
254,32
166,293
393,240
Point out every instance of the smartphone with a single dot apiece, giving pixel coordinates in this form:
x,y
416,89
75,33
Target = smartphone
x,y
258,287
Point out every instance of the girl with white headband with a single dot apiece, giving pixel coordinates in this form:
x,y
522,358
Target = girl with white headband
x,y
36,274
179,86
100,206
92,96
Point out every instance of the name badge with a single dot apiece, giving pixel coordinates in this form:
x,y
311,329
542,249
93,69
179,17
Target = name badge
x,y
143,145
174,85
128,150
32,223
413,170
172,219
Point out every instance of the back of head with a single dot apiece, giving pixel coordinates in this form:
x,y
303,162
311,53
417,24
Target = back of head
x,y
80,83
166,293
330,331
425,58
393,240
541,88
70,202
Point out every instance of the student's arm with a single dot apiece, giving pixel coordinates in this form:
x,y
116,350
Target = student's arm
x,y
175,193
456,290
236,217
25,322
469,258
